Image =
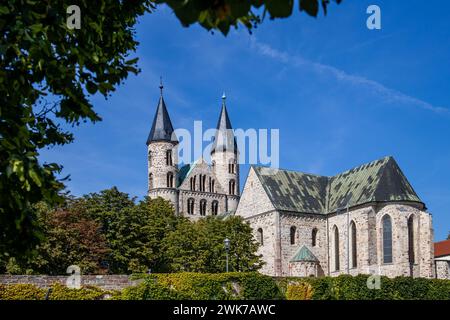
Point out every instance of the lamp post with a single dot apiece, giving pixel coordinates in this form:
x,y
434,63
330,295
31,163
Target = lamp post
x,y
226,242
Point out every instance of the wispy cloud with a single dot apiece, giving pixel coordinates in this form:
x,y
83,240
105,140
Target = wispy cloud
x,y
390,95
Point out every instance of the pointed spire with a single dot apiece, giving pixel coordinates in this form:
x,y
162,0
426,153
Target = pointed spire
x,y
162,128
224,138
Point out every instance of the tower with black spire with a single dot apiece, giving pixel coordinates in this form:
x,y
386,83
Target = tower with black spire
x,y
162,156
225,158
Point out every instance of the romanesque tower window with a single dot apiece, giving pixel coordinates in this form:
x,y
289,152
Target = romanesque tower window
x,y
232,167
314,237
387,239
411,257
169,161
150,181
190,206
260,236
336,249
214,207
203,207
232,187
292,234
169,180
354,262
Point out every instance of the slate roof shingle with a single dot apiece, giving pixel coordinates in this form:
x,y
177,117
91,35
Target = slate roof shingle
x,y
378,181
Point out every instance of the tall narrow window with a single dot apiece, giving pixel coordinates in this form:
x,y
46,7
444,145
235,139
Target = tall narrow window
x,y
354,263
204,182
336,249
232,185
209,184
194,182
169,161
314,237
200,187
411,239
387,239
169,180
212,186
150,181
292,234
203,207
190,206
260,236
214,207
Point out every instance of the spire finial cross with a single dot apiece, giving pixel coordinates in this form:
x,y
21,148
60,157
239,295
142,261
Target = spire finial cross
x,y
224,96
161,87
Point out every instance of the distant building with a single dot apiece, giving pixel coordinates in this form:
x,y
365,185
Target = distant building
x,y
442,259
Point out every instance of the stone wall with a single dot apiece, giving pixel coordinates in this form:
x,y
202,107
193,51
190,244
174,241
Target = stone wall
x,y
443,269
106,282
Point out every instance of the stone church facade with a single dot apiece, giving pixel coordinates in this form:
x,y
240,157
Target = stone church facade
x,y
197,189
368,220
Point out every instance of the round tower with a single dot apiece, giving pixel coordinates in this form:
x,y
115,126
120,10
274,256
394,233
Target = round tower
x,y
163,157
225,158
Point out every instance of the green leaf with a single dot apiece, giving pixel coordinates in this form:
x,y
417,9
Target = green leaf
x,y
310,6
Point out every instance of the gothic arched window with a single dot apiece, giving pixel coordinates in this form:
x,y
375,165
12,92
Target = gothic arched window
x,y
214,207
232,186
169,161
314,237
292,234
387,239
190,206
203,207
260,236
354,256
411,257
169,180
336,248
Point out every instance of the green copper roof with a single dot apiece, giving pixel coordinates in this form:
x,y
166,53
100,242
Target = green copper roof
x,y
304,254
378,181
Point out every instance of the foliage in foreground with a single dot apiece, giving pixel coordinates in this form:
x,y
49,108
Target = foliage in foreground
x,y
248,286
107,232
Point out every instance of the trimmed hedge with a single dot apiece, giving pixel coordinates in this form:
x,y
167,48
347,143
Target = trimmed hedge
x,y
204,286
246,286
58,292
345,287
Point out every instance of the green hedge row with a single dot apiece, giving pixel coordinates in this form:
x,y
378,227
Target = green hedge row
x,y
58,292
247,286
347,287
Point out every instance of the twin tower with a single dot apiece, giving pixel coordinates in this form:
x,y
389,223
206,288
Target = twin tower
x,y
197,189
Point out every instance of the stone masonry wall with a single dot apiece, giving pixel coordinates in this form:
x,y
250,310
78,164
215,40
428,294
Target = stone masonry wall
x,y
106,282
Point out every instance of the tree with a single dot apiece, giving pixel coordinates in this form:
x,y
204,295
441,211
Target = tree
x,y
47,74
70,237
199,246
222,14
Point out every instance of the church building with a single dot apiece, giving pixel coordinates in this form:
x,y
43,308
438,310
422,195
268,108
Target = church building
x,y
367,220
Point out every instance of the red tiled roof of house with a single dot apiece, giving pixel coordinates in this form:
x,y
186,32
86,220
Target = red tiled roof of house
x,y
442,248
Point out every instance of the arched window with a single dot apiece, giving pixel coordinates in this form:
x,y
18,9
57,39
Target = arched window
x,y
260,236
387,239
336,248
169,180
411,240
214,207
314,237
213,189
203,207
354,262
203,183
232,186
232,166
169,161
150,181
292,234
209,184
190,206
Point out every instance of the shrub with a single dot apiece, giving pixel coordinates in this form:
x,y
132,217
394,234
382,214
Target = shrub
x,y
21,292
299,291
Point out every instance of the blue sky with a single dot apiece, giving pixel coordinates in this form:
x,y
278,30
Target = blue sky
x,y
340,94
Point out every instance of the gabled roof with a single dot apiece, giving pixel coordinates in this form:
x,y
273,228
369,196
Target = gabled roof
x,y
224,138
162,128
377,181
442,248
186,170
304,254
